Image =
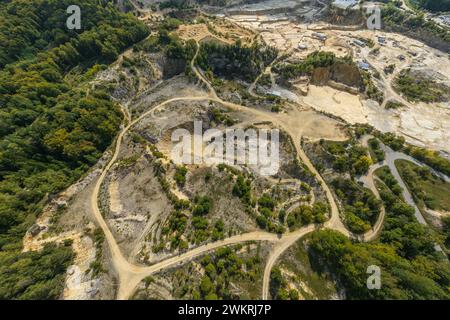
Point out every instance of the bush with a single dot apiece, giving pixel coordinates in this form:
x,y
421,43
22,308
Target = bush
x,y
402,278
242,189
360,206
202,206
180,176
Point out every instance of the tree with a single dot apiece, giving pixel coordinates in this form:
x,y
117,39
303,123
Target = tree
x,y
361,166
206,286
261,221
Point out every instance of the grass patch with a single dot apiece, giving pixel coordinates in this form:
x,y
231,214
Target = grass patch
x,y
389,180
376,153
427,189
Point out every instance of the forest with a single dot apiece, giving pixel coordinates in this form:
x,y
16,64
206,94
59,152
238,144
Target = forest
x,y
52,129
416,26
430,157
410,266
235,61
432,5
361,208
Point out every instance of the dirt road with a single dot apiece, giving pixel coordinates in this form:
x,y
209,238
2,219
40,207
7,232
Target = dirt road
x,y
130,275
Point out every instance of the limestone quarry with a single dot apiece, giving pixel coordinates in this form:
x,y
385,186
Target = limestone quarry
x,y
142,226
423,124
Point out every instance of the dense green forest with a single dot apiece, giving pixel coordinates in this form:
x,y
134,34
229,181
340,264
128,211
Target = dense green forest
x,y
34,275
420,278
52,130
235,61
361,208
410,266
432,5
416,26
322,66
347,156
416,87
317,59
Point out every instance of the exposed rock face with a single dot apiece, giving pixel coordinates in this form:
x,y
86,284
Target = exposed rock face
x,y
343,73
347,74
173,67
229,68
35,230
339,16
320,76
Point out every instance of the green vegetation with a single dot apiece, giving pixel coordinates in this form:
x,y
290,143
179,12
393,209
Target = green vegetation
x,y
219,116
186,215
51,130
371,89
223,267
306,215
265,80
432,5
267,202
419,278
394,105
403,232
279,287
317,59
235,61
416,26
265,215
347,156
323,66
34,275
203,230
389,180
29,28
180,175
225,274
427,189
202,206
411,268
302,273
360,206
178,53
429,157
173,229
268,219
417,87
96,266
390,139
377,154
242,189
174,4
446,232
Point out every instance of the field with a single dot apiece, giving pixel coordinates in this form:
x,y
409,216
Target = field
x,y
428,190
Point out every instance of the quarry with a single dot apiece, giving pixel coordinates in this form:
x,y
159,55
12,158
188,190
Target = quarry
x,y
362,121
423,124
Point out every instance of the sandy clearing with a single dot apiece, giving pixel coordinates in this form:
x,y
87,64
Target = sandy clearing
x,y
114,198
338,103
421,124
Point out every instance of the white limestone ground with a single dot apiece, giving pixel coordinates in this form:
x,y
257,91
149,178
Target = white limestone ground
x,y
425,125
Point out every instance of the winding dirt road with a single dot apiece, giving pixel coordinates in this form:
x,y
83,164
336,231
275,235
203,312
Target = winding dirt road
x,y
130,275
